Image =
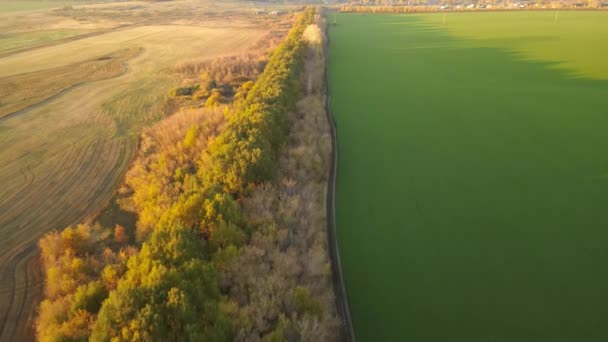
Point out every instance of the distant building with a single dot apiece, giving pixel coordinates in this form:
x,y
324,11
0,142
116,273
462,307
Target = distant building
x,y
275,13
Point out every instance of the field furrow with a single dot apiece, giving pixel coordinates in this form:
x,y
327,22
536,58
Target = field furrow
x,y
47,185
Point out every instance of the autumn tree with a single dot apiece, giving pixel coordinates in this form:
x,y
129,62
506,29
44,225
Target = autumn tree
x,y
169,293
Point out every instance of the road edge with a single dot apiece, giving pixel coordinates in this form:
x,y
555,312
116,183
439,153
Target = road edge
x,y
342,303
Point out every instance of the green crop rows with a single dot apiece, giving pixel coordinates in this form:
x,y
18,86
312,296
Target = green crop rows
x,y
472,193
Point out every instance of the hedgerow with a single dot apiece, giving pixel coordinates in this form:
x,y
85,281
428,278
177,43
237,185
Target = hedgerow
x,y
178,279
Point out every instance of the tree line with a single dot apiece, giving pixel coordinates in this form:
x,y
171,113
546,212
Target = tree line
x,y
230,241
423,6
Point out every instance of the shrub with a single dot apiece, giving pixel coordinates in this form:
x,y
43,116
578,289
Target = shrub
x,y
214,99
185,91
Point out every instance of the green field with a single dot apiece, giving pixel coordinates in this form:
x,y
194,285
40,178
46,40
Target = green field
x,y
472,194
25,6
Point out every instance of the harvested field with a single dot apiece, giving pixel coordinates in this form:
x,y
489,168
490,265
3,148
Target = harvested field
x,y
12,6
26,39
67,148
24,90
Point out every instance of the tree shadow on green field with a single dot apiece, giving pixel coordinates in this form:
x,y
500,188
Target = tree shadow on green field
x,y
472,190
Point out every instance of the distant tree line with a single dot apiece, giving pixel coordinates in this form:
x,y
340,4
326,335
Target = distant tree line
x,y
230,240
434,3
423,6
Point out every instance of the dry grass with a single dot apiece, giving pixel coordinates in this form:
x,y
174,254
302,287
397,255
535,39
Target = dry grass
x,y
62,159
